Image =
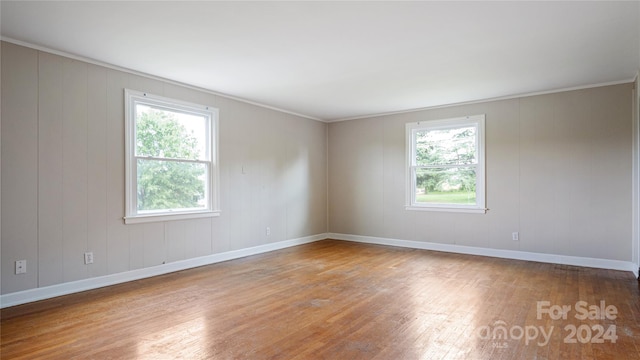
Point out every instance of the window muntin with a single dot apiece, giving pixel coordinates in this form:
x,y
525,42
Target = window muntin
x,y
445,165
171,150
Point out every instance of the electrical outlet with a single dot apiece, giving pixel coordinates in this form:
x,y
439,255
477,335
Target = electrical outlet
x,y
268,231
515,236
88,258
21,267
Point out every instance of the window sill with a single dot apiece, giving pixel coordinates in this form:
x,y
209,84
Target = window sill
x,y
137,219
447,209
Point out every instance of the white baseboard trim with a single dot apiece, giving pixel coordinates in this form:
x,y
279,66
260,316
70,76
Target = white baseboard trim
x,y
31,295
506,254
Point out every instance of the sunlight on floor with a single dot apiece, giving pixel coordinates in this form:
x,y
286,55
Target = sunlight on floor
x,y
185,340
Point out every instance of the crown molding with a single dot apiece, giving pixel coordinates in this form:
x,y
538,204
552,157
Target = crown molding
x,y
154,77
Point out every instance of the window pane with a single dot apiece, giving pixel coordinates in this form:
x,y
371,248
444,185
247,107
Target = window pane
x,y
170,185
170,134
455,146
446,186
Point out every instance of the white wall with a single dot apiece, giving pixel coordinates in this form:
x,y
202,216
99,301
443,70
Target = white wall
x,y
636,162
558,171
636,175
63,175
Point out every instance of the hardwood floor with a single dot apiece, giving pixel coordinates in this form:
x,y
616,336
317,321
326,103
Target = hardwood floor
x,y
339,300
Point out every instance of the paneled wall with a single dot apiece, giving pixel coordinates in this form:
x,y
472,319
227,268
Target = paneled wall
x,y
558,171
63,174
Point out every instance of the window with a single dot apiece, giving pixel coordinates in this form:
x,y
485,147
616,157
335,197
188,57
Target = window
x,y
445,165
171,159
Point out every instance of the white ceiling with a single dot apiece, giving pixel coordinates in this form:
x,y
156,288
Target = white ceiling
x,y
337,60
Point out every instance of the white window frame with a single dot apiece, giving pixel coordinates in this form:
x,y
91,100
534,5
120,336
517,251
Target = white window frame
x,y
131,99
411,129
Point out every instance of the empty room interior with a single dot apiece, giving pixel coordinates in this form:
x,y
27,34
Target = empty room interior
x,y
320,180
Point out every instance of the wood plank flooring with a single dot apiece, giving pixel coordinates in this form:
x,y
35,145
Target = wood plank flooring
x,y
338,300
